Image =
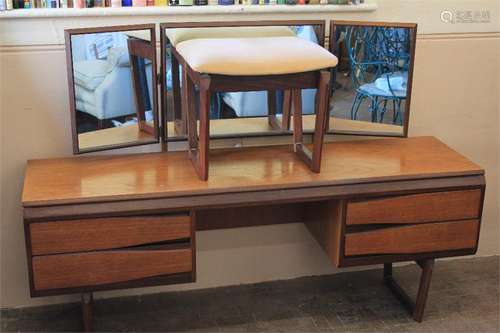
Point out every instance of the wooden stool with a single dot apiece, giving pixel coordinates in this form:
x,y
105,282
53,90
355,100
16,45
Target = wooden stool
x,y
175,36
251,64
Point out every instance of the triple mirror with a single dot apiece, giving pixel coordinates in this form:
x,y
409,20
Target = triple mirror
x,y
113,82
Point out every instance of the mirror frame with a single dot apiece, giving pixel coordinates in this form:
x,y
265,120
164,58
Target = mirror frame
x,y
164,43
148,54
413,33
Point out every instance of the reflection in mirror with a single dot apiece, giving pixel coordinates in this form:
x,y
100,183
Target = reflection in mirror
x,y
372,83
113,83
232,114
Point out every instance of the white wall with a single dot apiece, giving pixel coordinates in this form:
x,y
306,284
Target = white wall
x,y
455,98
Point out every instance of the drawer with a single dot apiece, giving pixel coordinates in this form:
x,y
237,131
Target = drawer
x,y
417,238
106,267
416,208
106,233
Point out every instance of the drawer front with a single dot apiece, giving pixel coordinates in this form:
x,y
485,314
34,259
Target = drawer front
x,y
106,267
416,208
418,238
106,233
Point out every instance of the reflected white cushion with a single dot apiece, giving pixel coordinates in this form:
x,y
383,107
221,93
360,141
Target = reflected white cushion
x,y
255,56
90,73
179,35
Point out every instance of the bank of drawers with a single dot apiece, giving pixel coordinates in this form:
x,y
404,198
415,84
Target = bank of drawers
x,y
93,254
412,224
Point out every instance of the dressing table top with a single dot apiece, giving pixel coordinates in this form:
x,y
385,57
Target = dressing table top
x,y
161,175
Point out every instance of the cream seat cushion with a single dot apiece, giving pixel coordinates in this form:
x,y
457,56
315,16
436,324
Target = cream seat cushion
x,y
255,56
179,35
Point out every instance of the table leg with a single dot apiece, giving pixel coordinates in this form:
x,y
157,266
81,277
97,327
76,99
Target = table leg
x,y
87,300
415,308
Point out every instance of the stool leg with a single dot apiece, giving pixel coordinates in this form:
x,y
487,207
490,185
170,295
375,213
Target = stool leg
x,y
198,143
322,107
186,98
271,110
188,103
179,114
204,141
312,159
287,110
298,136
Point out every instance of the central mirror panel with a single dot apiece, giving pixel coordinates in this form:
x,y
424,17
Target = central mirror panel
x,y
112,76
370,88
232,114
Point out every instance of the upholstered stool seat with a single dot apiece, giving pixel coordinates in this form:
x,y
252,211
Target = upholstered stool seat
x,y
255,56
178,35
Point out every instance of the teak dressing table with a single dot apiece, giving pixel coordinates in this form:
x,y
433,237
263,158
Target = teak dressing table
x,y
108,222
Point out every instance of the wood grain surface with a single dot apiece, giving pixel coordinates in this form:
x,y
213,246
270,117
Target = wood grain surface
x,y
417,208
162,175
324,221
105,267
417,238
106,233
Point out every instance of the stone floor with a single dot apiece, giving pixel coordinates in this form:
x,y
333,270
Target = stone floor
x,y
464,297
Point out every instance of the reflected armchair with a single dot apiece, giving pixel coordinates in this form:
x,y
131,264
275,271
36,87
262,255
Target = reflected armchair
x,y
103,87
379,60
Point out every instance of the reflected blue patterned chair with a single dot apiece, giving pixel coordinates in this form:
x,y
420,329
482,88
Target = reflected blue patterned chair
x,y
379,58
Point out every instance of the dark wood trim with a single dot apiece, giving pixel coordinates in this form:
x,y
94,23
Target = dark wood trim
x,y
343,214
385,258
192,215
163,91
248,216
375,24
116,146
27,240
145,282
226,83
71,89
113,28
481,207
68,33
285,132
409,88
